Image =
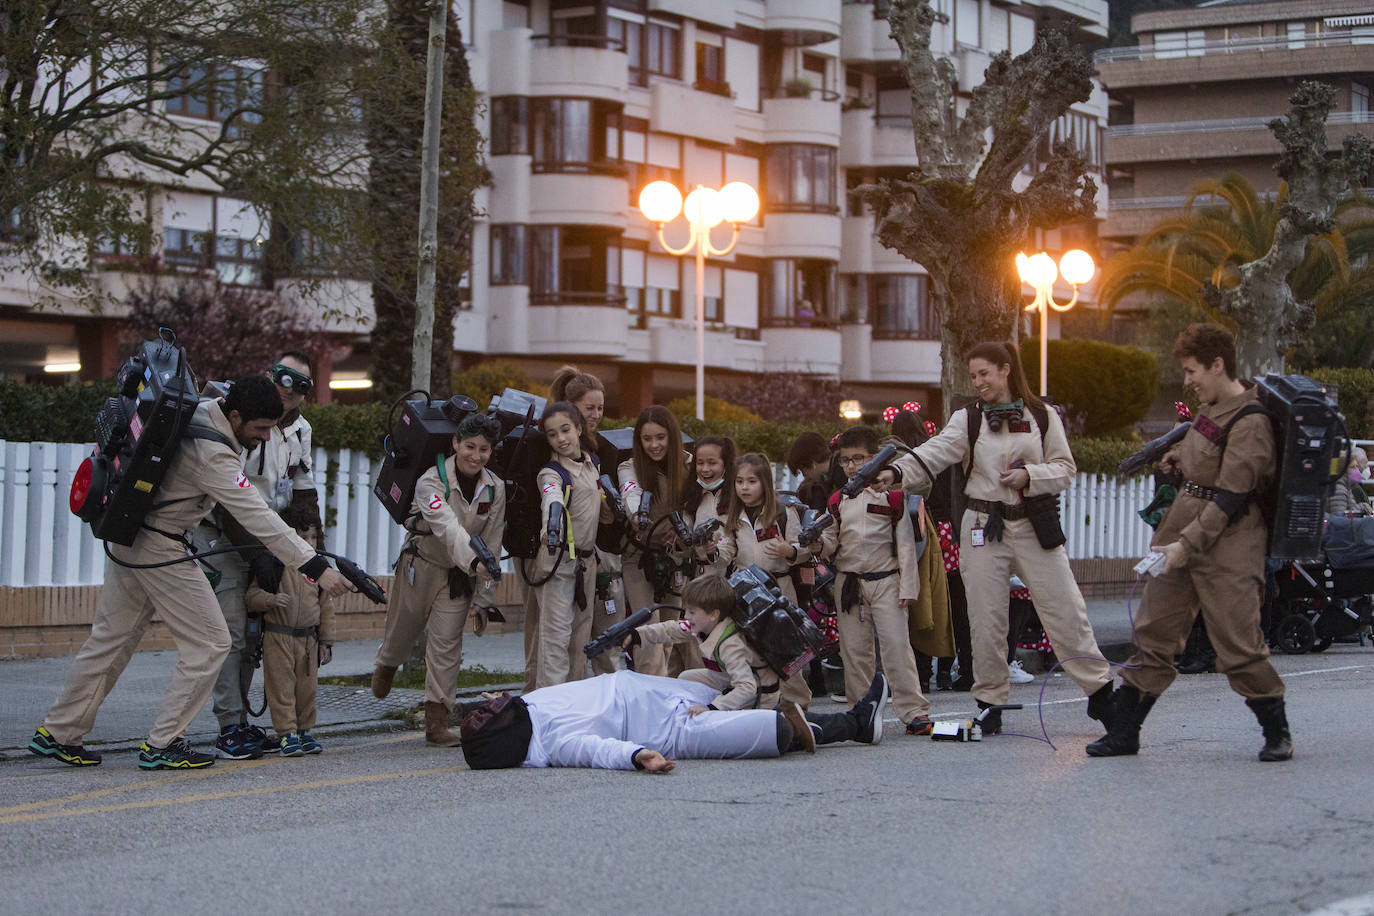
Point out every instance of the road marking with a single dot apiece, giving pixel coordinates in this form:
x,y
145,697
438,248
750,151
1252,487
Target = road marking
x,y
1324,670
219,796
1362,905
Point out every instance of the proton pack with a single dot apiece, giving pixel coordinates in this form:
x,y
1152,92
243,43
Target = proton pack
x,y
412,444
137,434
776,628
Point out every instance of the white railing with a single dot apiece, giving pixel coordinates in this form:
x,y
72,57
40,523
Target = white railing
x,y
1221,125
42,543
1358,35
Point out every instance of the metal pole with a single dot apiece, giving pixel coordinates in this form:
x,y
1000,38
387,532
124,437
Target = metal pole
x,y
701,320
1044,342
422,343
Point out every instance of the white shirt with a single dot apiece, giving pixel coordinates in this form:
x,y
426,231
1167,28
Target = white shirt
x,y
281,466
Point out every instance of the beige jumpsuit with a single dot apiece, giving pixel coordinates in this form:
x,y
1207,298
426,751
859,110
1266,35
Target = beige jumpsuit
x,y
564,627
203,472
290,662
729,663
988,567
442,527
1225,571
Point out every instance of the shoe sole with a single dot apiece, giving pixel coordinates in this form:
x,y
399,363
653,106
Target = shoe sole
x,y
925,728
222,754
880,706
801,729
175,764
68,759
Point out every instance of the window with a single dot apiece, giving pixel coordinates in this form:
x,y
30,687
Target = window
x,y
814,71
900,307
798,293
1191,43
510,125
221,234
801,176
217,93
663,55
711,69
967,28
1359,102
508,254
638,174
630,33
1297,34
574,264
653,286
575,135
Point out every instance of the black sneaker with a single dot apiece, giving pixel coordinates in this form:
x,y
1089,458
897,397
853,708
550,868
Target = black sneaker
x,y
176,756
268,744
236,742
45,745
869,711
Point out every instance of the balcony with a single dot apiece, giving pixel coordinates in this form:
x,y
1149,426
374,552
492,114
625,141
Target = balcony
x,y
590,198
815,351
803,235
512,48
582,324
1216,138
814,118
800,23
1269,57
856,352
868,139
674,342
906,361
863,37
560,69
716,12
675,108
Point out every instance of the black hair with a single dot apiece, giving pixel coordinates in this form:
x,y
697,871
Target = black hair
x,y
1206,343
808,448
907,427
297,354
255,397
693,492
864,437
476,424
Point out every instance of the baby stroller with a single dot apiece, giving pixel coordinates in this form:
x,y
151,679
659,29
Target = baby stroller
x,y
1317,602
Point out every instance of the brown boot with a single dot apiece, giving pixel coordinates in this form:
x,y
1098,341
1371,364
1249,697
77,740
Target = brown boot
x,y
382,677
436,726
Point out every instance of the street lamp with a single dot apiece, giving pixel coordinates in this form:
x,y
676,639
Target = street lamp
x,y
705,208
1039,271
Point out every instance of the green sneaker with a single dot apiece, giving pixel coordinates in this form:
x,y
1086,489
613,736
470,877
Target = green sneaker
x,y
175,756
45,745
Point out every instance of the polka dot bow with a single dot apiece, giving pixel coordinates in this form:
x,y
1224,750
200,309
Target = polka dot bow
x,y
890,413
1182,410
930,427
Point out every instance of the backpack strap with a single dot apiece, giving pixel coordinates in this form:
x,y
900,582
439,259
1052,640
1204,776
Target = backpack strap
x,y
731,629
1041,413
206,432
439,462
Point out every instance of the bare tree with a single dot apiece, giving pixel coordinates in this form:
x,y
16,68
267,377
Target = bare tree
x,y
957,214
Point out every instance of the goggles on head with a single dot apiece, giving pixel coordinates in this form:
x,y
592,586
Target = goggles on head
x,y
292,380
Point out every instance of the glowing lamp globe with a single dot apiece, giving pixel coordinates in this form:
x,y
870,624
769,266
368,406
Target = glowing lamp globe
x,y
1038,270
740,201
704,208
660,201
1077,266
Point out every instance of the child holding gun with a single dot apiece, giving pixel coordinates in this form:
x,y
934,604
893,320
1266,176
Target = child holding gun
x,y
297,638
448,569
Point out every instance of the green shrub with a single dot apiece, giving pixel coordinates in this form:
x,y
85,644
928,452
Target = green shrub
x,y
487,379
1355,394
1105,387
348,426
718,410
1103,456
40,413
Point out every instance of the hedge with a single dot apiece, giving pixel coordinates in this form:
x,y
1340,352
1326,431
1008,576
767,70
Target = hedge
x,y
42,413
1108,388
1355,394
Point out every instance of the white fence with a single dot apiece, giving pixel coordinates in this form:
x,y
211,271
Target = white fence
x,y
42,543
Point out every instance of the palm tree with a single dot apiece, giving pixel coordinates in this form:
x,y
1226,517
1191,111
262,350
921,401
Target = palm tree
x,y
1227,223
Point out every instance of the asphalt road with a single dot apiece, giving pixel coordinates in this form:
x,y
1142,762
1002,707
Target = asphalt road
x,y
380,821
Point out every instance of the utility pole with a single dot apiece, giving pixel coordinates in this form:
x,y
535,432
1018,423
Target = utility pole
x,y
422,344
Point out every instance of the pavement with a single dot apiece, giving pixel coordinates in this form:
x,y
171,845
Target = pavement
x,y
30,686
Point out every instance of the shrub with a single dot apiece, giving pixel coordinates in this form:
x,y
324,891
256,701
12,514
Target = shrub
x,y
487,379
783,396
40,413
347,426
1105,387
1103,456
718,410
1355,394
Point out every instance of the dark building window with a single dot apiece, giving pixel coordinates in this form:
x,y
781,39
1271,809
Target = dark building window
x,y
631,38
217,93
798,292
664,50
574,264
575,135
508,254
510,125
711,69
900,308
801,176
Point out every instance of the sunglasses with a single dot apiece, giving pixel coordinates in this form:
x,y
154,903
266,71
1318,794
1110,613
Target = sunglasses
x,y
297,382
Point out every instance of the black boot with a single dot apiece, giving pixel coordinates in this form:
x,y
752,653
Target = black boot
x,y
1129,708
1100,705
1278,743
992,721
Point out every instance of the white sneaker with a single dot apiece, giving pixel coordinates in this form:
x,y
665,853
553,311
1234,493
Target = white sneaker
x,y
1019,675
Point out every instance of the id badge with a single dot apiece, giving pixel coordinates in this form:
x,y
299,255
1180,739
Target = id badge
x,y
284,489
610,607
808,575
679,580
976,538
410,574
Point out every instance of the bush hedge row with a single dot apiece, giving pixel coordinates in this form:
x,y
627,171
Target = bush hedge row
x,y
1105,387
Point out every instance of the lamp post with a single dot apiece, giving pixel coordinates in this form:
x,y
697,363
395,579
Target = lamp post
x,y
1039,271
705,208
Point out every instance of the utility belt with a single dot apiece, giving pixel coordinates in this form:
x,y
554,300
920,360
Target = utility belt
x,y
1042,511
1199,491
1235,505
849,591
298,632
1008,511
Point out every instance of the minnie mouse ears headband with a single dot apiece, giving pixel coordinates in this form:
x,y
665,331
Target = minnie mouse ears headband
x,y
1184,414
890,413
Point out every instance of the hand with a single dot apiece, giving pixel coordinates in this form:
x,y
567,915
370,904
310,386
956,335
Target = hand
x,y
694,711
1016,478
333,583
280,602
1175,555
777,550
634,522
483,574
607,516
1169,463
886,480
479,621
654,762
326,654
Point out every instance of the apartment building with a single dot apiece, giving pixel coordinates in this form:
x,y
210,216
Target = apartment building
x,y
1192,101
585,102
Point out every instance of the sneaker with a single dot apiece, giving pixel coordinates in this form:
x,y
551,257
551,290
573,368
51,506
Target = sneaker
x,y
291,745
236,742
921,725
943,681
869,712
1019,675
309,745
176,756
45,745
270,744
839,698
